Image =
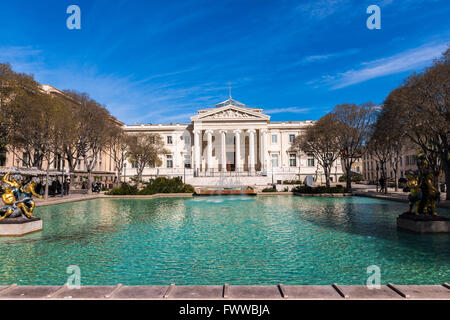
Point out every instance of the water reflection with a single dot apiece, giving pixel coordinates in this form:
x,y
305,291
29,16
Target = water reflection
x,y
212,240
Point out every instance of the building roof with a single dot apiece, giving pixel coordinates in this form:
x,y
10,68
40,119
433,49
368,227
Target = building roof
x,y
230,101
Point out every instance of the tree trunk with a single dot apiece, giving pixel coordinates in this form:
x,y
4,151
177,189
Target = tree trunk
x,y
89,184
384,176
47,175
72,179
139,178
349,182
348,167
396,180
119,176
327,178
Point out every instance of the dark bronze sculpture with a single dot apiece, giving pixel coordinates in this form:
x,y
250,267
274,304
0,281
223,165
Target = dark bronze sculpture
x,y
423,192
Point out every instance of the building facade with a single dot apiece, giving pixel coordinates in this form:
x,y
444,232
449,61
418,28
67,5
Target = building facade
x,y
232,140
407,162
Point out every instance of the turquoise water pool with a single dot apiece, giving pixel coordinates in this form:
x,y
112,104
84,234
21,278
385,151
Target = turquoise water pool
x,y
213,240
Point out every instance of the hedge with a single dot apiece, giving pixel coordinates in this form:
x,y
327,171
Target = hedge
x,y
320,189
270,189
158,185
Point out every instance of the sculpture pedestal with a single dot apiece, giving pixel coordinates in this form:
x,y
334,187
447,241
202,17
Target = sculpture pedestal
x,y
19,226
423,223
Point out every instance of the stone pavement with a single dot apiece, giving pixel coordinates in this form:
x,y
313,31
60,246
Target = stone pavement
x,y
230,292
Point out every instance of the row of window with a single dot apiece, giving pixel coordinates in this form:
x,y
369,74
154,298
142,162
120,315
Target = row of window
x,y
187,139
409,161
187,161
274,161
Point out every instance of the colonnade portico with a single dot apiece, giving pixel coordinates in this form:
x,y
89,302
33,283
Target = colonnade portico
x,y
205,155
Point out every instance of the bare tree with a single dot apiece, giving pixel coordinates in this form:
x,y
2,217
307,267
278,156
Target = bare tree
x,y
354,126
70,135
93,121
117,148
41,123
422,110
320,140
17,92
144,149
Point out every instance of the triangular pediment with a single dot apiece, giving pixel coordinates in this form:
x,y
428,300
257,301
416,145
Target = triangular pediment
x,y
230,112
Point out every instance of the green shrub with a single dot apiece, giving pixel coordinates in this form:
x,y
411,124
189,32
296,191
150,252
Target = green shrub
x,y
270,189
158,185
123,190
292,182
188,189
166,185
320,189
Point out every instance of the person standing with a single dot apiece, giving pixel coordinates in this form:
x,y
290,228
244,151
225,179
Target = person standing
x,y
382,184
66,186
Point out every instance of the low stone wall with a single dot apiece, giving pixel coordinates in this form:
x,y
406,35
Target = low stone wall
x,y
158,195
17,227
423,224
335,195
278,193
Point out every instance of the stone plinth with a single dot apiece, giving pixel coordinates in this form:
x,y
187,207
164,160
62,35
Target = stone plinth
x,y
19,226
423,223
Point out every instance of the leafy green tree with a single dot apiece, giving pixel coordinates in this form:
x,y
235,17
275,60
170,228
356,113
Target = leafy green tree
x,y
145,149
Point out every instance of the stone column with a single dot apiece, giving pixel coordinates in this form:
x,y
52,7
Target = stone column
x,y
196,151
223,146
209,151
263,150
252,150
237,163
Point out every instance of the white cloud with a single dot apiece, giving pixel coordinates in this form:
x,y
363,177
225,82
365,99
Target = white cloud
x,y
323,57
287,110
322,9
405,61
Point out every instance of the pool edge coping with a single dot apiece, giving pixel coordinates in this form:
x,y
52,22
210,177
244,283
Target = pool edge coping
x,y
230,292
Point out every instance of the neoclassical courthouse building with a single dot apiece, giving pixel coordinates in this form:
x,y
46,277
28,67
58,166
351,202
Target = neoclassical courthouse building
x,y
232,140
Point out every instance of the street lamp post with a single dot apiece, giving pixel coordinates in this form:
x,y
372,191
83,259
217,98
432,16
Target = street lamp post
x,y
378,168
62,178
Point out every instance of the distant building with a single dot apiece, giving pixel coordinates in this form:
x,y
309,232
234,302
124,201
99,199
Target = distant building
x,y
407,161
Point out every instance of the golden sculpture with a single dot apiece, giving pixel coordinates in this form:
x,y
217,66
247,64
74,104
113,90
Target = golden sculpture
x,y
18,200
415,192
9,200
13,183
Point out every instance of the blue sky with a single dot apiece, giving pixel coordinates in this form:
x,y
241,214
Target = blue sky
x,y
160,61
